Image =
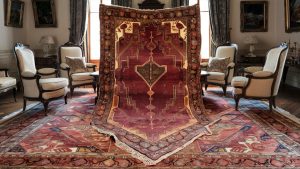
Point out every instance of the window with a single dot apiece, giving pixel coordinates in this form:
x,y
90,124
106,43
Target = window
x,y
205,27
94,28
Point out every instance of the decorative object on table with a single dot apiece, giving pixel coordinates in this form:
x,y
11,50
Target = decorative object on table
x,y
222,78
36,84
44,13
75,79
292,15
263,83
8,83
251,41
48,44
148,101
254,16
14,10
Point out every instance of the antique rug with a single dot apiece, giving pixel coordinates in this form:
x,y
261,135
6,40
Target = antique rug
x,y
150,96
250,138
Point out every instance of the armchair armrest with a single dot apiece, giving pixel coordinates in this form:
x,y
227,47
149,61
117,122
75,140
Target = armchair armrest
x,y
204,64
64,66
252,69
231,65
261,75
91,65
47,71
28,74
5,70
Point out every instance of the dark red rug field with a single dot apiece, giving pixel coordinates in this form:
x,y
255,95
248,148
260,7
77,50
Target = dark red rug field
x,y
253,138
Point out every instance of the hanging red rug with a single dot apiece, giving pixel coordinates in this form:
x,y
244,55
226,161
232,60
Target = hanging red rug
x,y
150,96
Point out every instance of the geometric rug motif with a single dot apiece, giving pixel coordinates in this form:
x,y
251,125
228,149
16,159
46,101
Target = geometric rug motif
x,y
152,106
250,138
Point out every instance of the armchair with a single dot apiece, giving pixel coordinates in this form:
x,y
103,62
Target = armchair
x,y
220,78
265,82
35,87
75,79
8,83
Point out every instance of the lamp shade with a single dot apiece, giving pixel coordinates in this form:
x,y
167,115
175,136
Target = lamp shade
x,y
250,40
47,40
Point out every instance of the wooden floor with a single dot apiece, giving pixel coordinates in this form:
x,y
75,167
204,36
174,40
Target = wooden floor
x,y
287,99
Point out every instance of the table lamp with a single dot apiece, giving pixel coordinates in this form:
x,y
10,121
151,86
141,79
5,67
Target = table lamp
x,y
46,42
251,41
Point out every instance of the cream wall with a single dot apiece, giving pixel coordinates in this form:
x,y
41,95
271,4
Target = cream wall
x,y
61,32
276,28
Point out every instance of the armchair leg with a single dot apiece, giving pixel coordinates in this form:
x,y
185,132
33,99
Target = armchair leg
x,y
71,90
224,90
15,93
270,104
45,103
24,104
274,102
206,85
66,99
237,100
94,87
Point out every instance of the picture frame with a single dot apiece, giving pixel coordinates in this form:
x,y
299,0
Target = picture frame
x,y
292,15
13,13
44,13
254,16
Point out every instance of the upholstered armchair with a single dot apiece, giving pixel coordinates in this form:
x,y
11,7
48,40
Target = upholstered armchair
x,y
7,83
222,79
263,83
35,87
75,79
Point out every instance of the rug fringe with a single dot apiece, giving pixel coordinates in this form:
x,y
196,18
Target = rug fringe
x,y
146,160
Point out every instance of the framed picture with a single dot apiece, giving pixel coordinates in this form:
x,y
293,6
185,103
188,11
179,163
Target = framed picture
x,y
292,15
14,10
44,13
254,16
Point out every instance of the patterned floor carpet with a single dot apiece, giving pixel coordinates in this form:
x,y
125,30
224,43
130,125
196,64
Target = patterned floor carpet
x,y
250,138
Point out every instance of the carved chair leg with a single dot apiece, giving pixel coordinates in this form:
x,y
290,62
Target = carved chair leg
x,y
45,107
66,99
237,100
274,102
224,89
15,93
71,90
271,104
24,104
94,87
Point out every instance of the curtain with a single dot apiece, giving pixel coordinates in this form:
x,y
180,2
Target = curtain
x,y
78,17
127,3
219,21
177,3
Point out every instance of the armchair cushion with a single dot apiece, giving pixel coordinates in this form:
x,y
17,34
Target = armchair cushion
x,y
253,69
54,83
55,94
46,70
239,81
77,64
216,76
82,76
262,74
7,82
217,64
